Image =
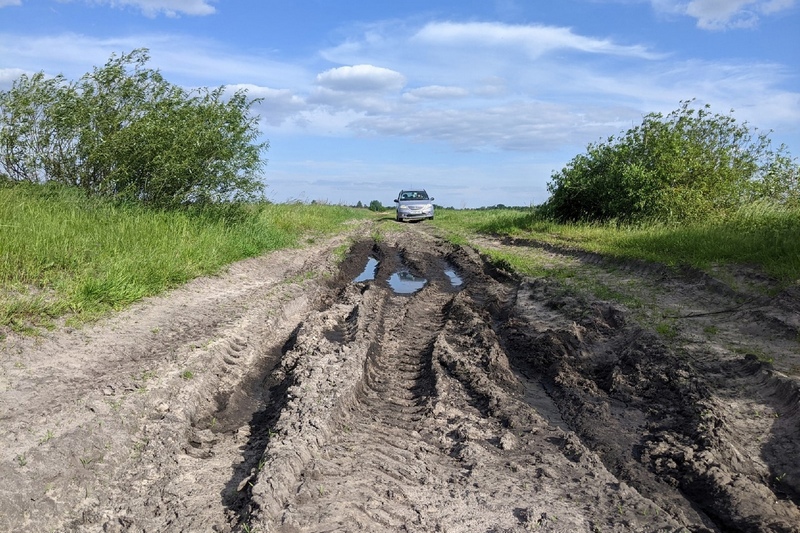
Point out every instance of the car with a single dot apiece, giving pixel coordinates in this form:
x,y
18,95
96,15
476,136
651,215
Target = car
x,y
414,205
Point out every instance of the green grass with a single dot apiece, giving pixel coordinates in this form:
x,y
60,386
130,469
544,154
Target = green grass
x,y
760,235
64,254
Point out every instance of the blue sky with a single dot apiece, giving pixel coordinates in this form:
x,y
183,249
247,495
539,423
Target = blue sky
x,y
478,101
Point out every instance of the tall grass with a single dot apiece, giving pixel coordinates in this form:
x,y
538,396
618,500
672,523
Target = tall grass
x,y
63,253
761,235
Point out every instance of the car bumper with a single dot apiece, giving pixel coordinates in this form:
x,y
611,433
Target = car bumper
x,y
414,216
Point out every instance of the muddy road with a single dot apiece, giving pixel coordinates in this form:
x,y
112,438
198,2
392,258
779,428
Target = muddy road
x,y
387,380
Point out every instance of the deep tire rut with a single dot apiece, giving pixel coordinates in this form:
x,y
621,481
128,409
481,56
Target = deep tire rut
x,y
438,393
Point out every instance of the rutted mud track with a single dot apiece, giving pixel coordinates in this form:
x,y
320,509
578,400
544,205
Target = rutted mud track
x,y
437,393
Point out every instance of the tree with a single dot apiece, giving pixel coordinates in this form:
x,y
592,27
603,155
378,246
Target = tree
x,y
125,132
691,164
375,205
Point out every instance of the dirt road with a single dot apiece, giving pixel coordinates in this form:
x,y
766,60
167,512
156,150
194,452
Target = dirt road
x,y
413,386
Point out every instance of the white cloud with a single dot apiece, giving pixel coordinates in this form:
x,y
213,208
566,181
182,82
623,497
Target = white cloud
x,y
189,61
723,14
534,40
435,92
4,3
9,75
361,78
171,8
275,106
477,98
513,126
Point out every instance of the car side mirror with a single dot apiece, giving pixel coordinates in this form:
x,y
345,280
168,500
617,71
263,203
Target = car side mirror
x,y
396,200
432,199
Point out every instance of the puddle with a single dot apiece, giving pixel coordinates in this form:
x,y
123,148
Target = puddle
x,y
404,282
369,271
455,279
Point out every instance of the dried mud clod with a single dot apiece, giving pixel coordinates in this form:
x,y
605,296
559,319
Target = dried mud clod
x,y
438,392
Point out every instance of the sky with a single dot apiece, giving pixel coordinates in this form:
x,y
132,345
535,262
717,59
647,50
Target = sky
x,y
477,101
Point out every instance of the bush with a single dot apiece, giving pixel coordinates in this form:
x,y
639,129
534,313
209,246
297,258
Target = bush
x,y
122,131
689,165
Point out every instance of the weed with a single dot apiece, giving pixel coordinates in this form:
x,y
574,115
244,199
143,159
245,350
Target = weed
x,y
47,436
780,478
22,460
340,252
139,446
301,277
147,375
711,330
187,374
667,330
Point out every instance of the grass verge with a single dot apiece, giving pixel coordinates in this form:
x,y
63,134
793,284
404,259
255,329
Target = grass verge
x,y
759,235
63,254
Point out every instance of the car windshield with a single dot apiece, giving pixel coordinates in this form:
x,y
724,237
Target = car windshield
x,y
413,195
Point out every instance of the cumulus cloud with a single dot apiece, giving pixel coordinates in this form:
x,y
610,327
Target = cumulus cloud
x,y
275,106
9,75
500,87
361,78
723,14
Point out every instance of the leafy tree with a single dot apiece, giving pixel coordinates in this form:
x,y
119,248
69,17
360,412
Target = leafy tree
x,y
691,164
375,205
125,132
26,128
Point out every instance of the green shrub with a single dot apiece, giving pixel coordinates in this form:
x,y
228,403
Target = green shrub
x,y
122,131
689,165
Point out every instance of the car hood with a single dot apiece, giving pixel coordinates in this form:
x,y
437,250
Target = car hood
x,y
409,203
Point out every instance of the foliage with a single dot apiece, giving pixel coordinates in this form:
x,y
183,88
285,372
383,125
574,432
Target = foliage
x,y
376,205
62,253
689,165
760,234
122,131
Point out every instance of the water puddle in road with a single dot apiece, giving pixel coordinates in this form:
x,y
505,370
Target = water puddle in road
x,y
455,279
404,282
369,271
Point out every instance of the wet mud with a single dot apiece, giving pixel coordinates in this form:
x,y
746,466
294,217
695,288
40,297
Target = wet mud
x,y
412,386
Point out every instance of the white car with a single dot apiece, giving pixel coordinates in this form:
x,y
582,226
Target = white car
x,y
414,205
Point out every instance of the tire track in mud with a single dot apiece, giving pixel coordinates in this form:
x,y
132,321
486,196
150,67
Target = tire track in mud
x,y
480,402
404,414
712,436
502,385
